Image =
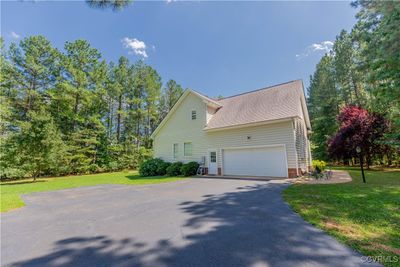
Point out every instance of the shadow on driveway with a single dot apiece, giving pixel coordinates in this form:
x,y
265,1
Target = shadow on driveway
x,y
250,226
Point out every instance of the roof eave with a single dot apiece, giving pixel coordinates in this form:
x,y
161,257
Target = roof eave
x,y
206,100
162,123
251,124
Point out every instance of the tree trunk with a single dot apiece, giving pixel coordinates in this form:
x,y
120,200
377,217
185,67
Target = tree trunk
x,y
355,88
389,158
119,118
368,161
110,118
76,107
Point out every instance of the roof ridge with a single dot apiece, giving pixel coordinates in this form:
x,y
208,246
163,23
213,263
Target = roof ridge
x,y
205,96
260,89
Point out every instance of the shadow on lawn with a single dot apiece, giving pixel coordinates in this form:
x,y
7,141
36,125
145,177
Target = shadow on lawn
x,y
138,177
22,182
231,229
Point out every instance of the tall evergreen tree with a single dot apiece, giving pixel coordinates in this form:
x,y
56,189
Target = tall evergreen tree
x,y
347,78
121,85
99,115
36,148
170,94
113,4
34,63
323,106
378,35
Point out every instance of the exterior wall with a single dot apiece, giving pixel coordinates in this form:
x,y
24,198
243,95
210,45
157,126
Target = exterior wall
x,y
302,145
210,112
181,128
269,134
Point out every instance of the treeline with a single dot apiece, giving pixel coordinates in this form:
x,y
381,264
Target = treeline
x,y
69,111
363,70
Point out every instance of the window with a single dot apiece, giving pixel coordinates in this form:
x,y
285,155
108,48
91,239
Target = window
x,y
187,149
213,156
175,151
193,114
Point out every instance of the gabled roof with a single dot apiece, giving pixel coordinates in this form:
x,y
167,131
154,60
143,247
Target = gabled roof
x,y
206,99
272,103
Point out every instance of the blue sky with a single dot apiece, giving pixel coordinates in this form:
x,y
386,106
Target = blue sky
x,y
218,48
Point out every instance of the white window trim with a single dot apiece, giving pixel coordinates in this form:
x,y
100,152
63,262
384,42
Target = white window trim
x,y
175,154
184,150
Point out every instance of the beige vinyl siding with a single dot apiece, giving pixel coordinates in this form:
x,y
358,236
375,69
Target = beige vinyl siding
x,y
210,112
182,129
270,134
302,142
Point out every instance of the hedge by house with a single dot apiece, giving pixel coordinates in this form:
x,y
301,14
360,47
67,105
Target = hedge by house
x,y
190,168
153,167
174,169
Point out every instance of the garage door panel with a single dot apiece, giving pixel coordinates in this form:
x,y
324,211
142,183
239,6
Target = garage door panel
x,y
266,161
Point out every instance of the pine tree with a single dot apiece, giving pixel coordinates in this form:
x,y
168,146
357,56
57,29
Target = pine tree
x,y
347,78
37,148
34,63
378,33
323,106
170,94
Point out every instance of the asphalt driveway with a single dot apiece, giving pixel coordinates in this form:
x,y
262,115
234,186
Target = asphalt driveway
x,y
194,222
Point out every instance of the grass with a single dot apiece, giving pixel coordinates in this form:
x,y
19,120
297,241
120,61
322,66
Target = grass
x,y
10,192
365,217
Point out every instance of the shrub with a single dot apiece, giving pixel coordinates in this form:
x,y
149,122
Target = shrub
x,y
162,168
174,169
319,165
190,168
150,167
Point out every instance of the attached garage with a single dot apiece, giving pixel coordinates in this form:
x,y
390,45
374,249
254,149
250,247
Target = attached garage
x,y
255,161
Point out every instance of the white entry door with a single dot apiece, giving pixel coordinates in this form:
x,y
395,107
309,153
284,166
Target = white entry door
x,y
256,161
212,162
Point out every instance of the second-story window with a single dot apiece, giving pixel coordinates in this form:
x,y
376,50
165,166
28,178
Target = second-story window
x,y
194,114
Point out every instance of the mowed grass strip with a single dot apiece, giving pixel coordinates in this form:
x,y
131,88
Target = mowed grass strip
x,y
365,217
10,192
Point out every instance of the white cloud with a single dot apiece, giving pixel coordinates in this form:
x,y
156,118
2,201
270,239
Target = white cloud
x,y
135,46
15,35
325,47
170,1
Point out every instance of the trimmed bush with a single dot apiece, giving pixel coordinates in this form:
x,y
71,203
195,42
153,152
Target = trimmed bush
x,y
174,169
162,168
151,167
318,165
190,168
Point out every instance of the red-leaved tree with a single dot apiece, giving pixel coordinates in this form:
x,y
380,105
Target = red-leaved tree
x,y
358,127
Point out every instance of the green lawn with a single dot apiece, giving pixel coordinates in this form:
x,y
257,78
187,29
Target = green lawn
x,y
10,192
366,217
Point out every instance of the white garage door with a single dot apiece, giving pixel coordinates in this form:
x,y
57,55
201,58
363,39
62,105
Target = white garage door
x,y
264,161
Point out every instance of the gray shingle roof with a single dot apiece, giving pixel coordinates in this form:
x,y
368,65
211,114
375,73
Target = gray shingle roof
x,y
271,103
